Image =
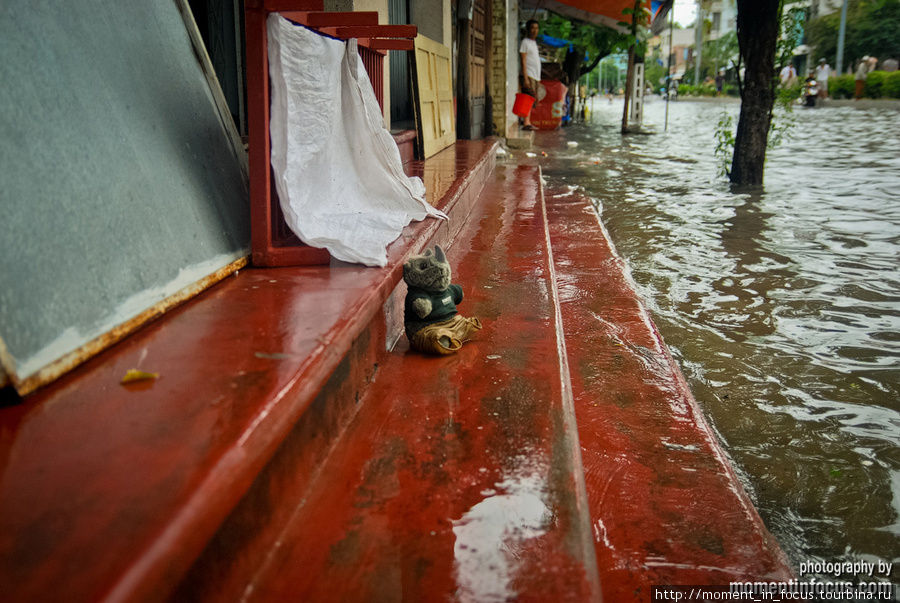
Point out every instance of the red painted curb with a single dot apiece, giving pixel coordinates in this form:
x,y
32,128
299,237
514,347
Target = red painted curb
x,y
667,507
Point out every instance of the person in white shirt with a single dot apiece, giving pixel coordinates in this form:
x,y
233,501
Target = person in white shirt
x,y
788,75
531,66
823,72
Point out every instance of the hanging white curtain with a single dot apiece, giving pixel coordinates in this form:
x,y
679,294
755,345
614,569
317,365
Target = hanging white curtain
x,y
338,171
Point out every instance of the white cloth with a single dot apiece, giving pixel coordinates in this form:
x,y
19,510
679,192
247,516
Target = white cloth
x,y
529,48
337,170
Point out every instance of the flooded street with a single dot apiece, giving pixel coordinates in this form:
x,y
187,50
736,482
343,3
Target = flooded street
x,y
782,306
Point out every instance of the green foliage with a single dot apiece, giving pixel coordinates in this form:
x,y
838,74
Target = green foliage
x,y
792,20
879,84
718,53
724,144
891,86
786,95
653,73
841,87
783,118
707,90
872,27
638,28
595,40
874,83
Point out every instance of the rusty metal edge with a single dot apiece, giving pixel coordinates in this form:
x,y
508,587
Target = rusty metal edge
x,y
63,365
6,365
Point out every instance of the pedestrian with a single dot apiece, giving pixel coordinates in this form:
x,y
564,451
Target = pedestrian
x,y
531,66
823,72
720,82
862,71
788,76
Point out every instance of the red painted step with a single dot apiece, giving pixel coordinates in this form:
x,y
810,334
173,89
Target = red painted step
x,y
117,493
666,506
459,478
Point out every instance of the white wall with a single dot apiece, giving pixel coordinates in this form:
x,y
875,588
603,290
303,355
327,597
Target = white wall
x,y
512,61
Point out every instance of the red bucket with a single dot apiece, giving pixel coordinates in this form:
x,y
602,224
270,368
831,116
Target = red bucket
x,y
523,104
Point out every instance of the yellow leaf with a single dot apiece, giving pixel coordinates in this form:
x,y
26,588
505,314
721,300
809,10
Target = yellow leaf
x,y
136,375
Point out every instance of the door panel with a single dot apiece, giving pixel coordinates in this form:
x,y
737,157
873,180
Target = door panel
x,y
434,77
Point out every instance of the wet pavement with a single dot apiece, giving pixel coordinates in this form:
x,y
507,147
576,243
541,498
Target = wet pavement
x,y
780,305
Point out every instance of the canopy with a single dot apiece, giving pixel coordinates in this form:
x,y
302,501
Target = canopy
x,y
660,10
598,12
552,42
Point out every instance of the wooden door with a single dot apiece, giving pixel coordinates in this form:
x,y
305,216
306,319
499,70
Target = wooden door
x,y
434,77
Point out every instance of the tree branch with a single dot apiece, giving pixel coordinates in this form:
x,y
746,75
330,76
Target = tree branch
x,y
585,70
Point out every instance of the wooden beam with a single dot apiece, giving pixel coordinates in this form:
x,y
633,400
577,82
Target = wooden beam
x,y
296,16
283,5
341,19
377,31
391,44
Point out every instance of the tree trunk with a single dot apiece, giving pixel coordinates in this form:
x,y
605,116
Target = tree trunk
x,y
757,29
629,78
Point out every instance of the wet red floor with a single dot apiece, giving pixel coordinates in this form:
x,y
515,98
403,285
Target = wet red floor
x,y
457,477
458,480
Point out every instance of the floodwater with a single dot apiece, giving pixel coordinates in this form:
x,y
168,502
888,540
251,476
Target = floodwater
x,y
781,305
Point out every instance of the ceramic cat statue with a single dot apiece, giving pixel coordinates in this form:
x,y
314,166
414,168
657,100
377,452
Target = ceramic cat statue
x,y
430,315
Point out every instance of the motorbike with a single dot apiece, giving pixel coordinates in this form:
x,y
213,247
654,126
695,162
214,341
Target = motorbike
x,y
810,92
671,94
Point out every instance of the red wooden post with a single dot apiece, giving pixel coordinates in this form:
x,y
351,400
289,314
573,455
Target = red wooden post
x,y
258,124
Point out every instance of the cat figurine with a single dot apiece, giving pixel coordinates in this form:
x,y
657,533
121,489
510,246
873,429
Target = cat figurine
x,y
430,317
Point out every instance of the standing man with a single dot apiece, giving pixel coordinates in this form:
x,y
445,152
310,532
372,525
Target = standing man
x,y
788,76
862,71
823,72
531,66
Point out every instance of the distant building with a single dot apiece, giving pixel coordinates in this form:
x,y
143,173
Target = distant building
x,y
722,15
682,48
720,18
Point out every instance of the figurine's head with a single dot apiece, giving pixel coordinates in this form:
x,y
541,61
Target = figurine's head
x,y
429,271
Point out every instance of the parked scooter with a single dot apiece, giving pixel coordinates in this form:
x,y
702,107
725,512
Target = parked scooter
x,y
810,91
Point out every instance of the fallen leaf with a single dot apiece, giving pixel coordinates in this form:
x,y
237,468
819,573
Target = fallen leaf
x,y
136,375
276,356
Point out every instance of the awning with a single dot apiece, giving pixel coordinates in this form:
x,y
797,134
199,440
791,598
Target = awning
x,y
660,10
598,12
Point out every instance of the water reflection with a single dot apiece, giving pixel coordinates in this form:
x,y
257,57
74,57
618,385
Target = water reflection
x,y
485,570
782,305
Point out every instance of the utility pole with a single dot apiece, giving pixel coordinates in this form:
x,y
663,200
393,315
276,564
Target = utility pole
x,y
839,61
600,75
698,42
668,81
